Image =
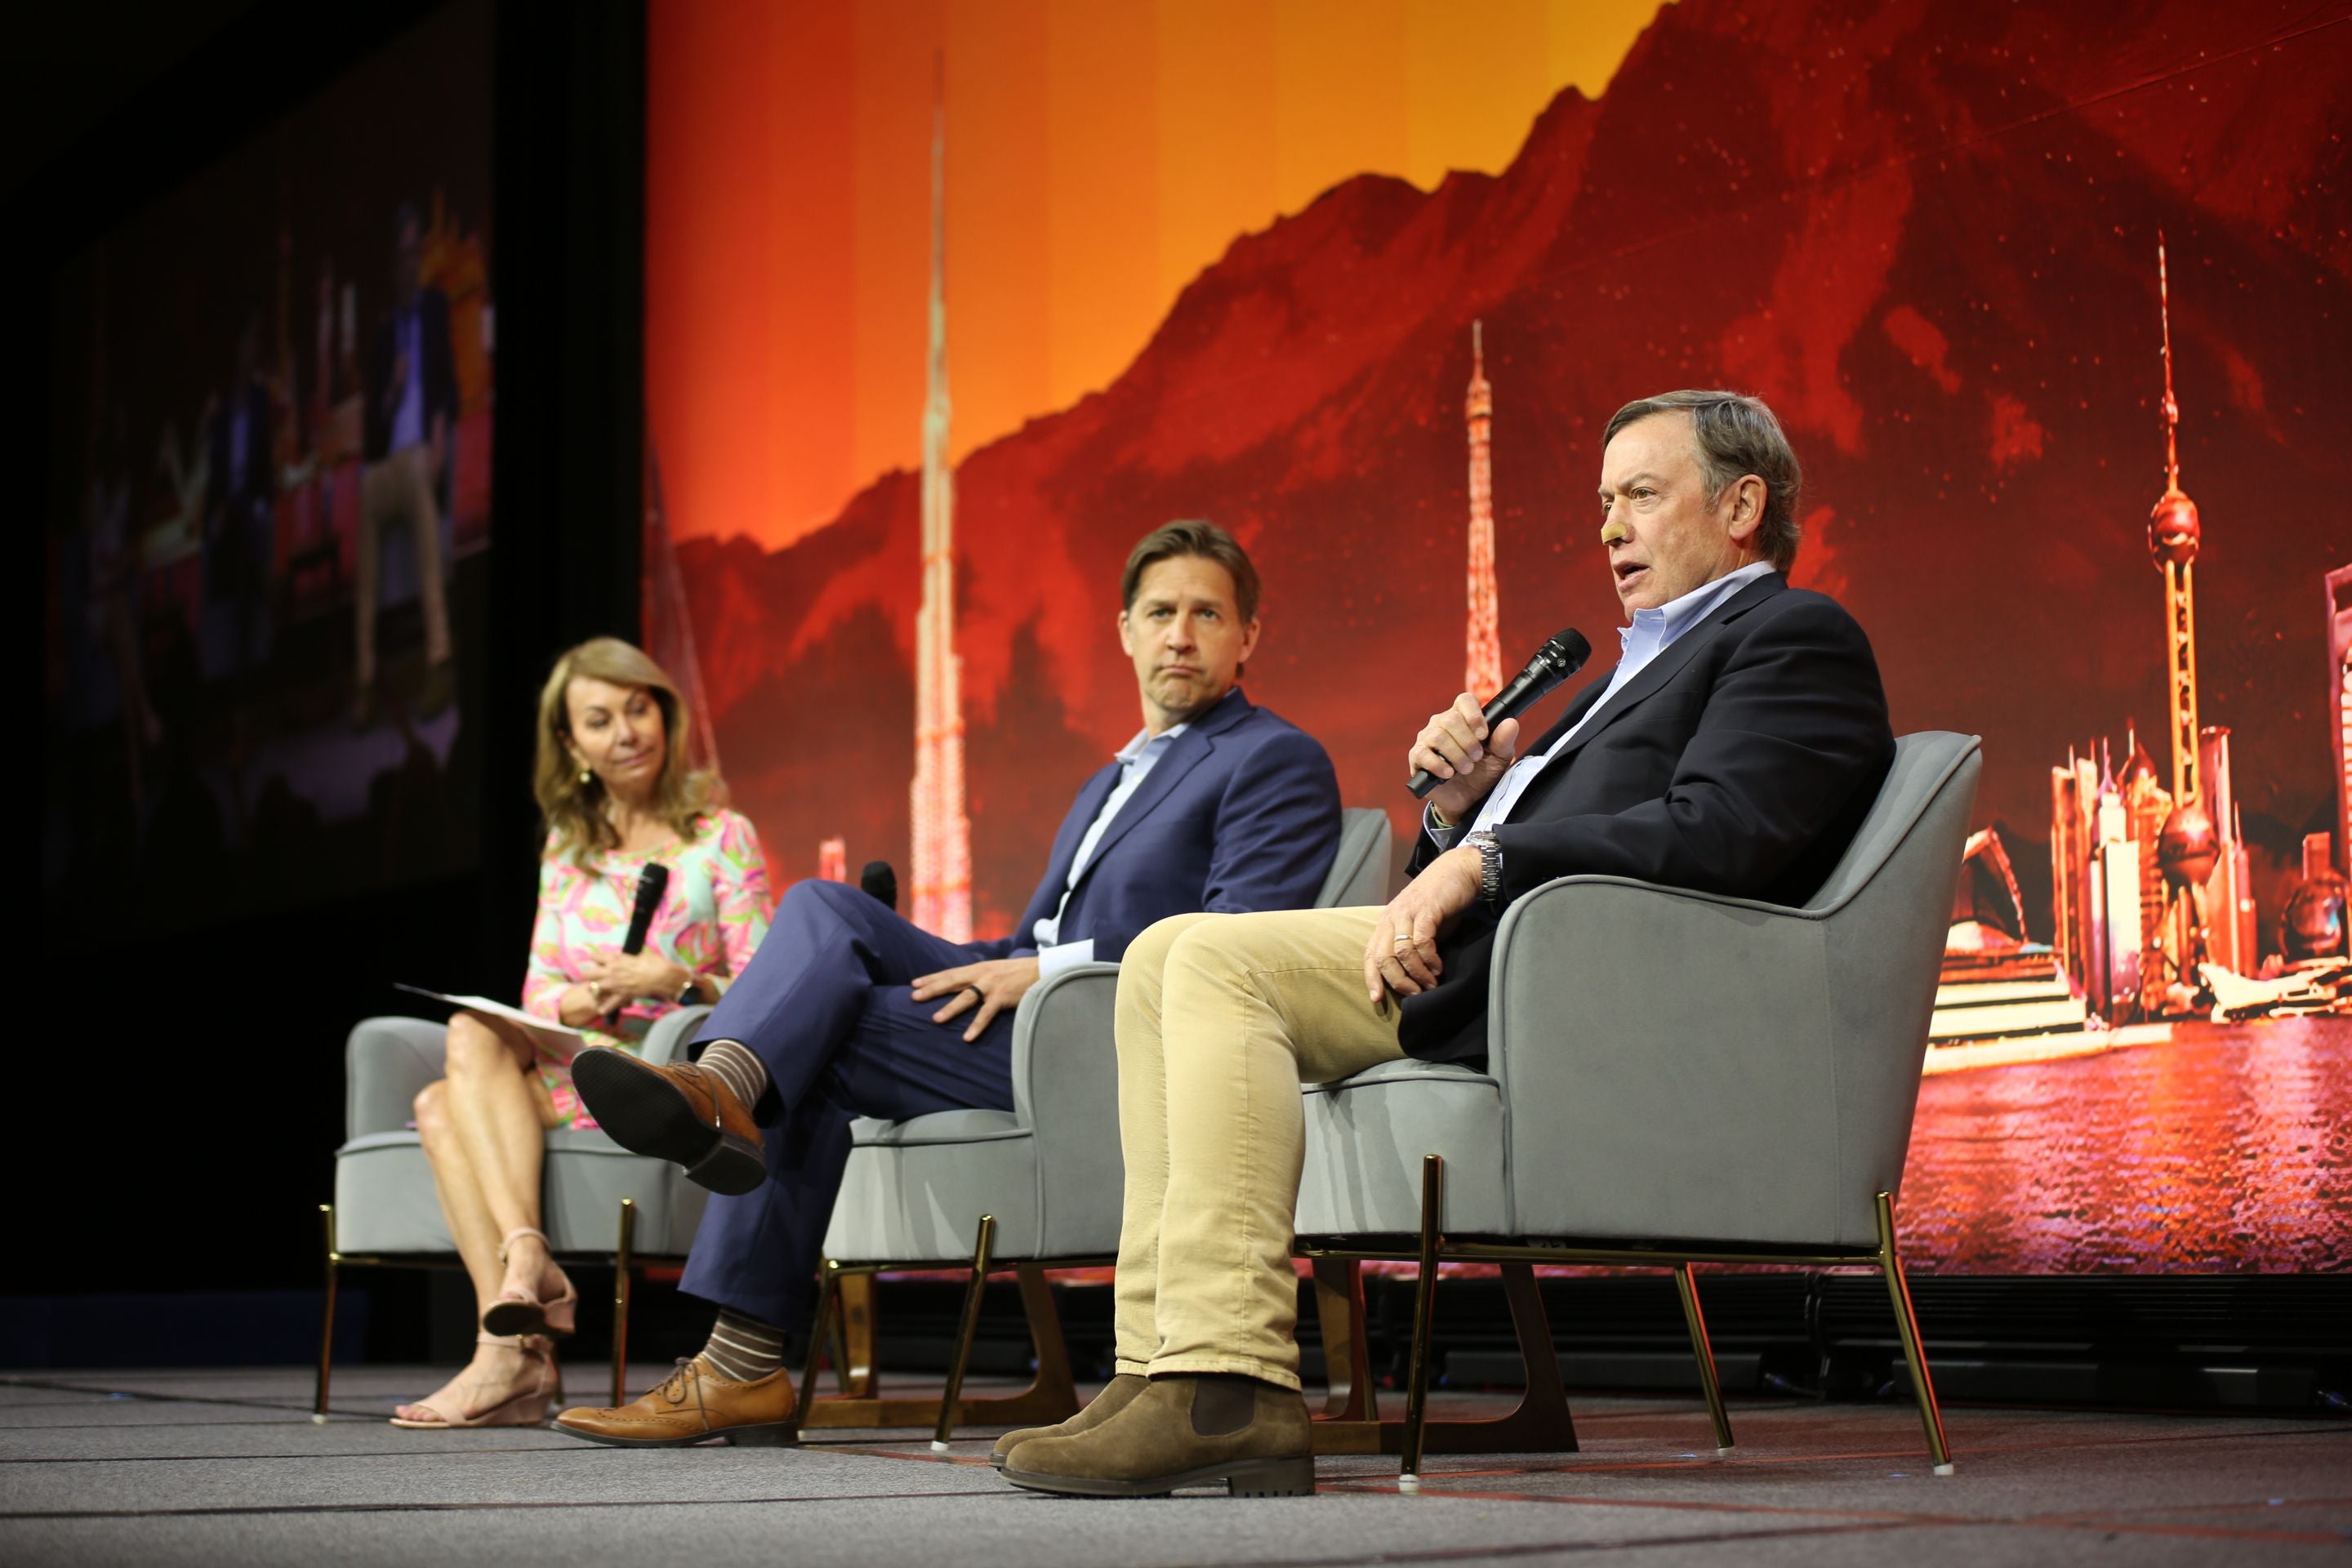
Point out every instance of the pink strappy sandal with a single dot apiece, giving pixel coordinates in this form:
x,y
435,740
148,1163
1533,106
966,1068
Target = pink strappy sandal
x,y
518,1312
528,1407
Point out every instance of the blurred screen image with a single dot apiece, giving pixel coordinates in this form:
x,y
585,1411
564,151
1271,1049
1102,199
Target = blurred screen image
x,y
268,509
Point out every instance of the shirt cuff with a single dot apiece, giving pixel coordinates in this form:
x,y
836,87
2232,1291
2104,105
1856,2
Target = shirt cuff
x,y
1052,961
1443,837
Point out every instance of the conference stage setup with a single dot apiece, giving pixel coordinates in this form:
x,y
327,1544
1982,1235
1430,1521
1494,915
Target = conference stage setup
x,y
1725,937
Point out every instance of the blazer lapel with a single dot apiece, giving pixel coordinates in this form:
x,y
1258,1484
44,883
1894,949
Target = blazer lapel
x,y
1191,748
1664,668
1091,795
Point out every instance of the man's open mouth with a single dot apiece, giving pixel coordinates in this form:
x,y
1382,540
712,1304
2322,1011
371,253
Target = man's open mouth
x,y
1628,570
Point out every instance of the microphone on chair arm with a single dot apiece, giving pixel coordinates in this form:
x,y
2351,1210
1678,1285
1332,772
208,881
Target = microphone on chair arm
x,y
1553,663
652,883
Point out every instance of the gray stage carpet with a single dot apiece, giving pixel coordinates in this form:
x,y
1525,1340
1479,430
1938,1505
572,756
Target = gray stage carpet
x,y
228,1467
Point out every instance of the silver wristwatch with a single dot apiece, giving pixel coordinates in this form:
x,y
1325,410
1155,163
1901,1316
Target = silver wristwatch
x,y
1490,864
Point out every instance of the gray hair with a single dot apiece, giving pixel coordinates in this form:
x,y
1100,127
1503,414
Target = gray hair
x,y
1736,436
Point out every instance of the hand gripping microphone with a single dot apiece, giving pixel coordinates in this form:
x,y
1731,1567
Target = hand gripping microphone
x,y
1553,663
652,883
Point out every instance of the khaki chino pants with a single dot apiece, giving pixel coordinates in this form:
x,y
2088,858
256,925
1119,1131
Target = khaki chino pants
x,y
398,490
1220,1019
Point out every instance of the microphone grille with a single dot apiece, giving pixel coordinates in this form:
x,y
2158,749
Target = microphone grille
x,y
1569,645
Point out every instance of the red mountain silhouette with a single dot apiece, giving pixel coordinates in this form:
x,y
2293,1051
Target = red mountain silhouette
x,y
1925,232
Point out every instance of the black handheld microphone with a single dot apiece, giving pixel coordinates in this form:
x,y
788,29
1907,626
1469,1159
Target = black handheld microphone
x,y
652,883
879,882
1553,663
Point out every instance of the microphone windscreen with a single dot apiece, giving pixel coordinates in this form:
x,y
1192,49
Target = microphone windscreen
x,y
879,882
1571,646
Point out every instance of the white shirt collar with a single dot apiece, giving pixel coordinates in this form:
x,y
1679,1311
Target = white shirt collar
x,y
1145,739
1660,625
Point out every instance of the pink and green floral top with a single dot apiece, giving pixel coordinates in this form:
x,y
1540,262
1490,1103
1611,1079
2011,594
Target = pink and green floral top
x,y
712,917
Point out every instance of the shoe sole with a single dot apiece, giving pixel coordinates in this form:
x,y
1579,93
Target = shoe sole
x,y
1243,1478
644,1113
768,1435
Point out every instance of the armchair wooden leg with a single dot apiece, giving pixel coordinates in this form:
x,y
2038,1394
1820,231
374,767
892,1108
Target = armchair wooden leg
x,y
828,1301
1424,1314
1347,1360
1687,1285
623,1259
327,1322
1915,1350
966,1331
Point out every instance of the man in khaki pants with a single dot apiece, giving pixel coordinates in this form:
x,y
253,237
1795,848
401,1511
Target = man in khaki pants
x,y
1734,748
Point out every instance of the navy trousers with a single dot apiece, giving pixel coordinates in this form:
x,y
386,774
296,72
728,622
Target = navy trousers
x,y
824,1003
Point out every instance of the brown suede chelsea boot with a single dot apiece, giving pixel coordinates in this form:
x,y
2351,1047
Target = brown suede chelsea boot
x,y
679,1112
1181,1432
695,1405
1116,1396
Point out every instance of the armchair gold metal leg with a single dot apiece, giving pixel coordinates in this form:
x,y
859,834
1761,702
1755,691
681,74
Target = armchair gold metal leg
x,y
966,1331
1687,1285
622,1262
1915,1350
828,1301
1347,1362
856,1306
1425,1313
327,1322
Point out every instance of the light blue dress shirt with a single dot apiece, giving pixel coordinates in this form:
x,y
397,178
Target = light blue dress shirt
x,y
1653,631
1136,760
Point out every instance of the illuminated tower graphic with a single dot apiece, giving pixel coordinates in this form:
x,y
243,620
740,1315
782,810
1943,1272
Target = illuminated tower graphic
x,y
2188,846
942,833
1482,670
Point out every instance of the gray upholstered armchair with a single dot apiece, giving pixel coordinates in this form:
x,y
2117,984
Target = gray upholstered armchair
x,y
599,1201
1033,1188
1675,1077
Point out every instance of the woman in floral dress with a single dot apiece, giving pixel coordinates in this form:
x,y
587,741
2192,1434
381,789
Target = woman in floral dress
x,y
613,783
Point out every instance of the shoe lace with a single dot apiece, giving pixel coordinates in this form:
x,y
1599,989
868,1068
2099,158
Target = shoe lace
x,y
674,1388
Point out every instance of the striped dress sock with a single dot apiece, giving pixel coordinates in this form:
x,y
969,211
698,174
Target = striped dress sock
x,y
745,1076
743,1350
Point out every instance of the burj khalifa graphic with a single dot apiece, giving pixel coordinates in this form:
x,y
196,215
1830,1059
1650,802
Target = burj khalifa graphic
x,y
942,832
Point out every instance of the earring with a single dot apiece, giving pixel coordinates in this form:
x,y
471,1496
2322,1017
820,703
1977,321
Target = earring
x,y
587,777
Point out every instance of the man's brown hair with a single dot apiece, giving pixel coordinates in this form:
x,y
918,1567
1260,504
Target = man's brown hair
x,y
1192,536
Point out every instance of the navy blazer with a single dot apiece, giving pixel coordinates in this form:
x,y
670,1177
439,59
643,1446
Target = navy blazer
x,y
1241,814
1741,760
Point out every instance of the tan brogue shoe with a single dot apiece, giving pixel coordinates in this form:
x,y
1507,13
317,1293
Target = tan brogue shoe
x,y
696,1403
1116,1396
1181,1432
679,1112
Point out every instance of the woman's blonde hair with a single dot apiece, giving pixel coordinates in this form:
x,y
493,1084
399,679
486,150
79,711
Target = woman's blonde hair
x,y
573,804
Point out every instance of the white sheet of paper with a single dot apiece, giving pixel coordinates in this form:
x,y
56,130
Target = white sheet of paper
x,y
562,1040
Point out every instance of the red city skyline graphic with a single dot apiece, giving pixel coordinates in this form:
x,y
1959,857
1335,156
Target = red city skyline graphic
x,y
1922,238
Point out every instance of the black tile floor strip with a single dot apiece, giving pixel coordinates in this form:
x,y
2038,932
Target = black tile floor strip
x,y
260,1511
566,1448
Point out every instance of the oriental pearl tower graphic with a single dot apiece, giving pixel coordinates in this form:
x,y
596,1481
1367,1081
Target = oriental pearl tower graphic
x,y
2188,845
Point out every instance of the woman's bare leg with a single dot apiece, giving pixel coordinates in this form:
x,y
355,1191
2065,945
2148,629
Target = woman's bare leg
x,y
502,1127
496,1372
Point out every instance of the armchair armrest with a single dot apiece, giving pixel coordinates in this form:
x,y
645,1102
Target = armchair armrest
x,y
675,1030
1065,1089
1660,1052
387,1062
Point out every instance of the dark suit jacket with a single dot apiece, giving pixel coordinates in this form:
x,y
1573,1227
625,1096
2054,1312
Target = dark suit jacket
x,y
438,369
1243,814
1740,760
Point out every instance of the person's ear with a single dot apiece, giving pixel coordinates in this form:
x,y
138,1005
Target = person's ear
x,y
1249,645
1747,503
1126,634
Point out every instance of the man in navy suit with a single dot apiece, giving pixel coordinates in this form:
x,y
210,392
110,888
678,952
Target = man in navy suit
x,y
848,1010
1735,748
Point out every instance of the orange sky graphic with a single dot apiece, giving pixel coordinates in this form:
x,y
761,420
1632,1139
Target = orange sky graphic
x,y
1099,155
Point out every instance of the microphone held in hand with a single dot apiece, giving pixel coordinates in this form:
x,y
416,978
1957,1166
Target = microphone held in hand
x,y
878,882
1553,663
652,883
